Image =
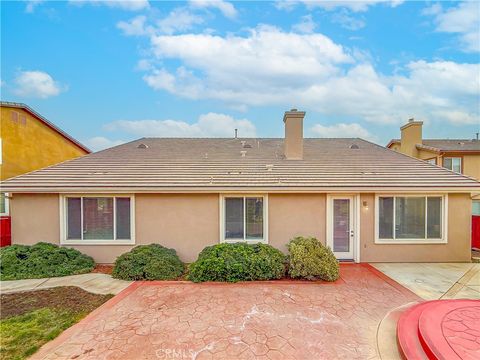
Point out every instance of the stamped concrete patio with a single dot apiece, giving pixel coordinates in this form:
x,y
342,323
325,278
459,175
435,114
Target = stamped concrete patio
x,y
259,320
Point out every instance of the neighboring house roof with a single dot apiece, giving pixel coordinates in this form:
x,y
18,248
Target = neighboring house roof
x,y
453,145
209,165
44,121
445,145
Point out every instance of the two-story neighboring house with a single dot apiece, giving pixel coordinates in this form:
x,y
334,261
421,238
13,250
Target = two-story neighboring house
x,y
29,142
459,155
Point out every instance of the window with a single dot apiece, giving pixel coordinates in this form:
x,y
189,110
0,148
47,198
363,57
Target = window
x,y
243,218
403,219
98,219
476,207
4,204
453,163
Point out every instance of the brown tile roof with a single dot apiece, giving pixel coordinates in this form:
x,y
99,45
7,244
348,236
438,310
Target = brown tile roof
x,y
40,118
453,144
180,164
444,145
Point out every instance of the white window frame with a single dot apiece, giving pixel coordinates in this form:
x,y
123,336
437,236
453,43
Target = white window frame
x,y
7,206
265,218
444,219
453,157
63,221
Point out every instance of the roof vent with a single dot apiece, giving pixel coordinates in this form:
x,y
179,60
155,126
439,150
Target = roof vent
x,y
247,146
244,153
142,146
354,146
269,167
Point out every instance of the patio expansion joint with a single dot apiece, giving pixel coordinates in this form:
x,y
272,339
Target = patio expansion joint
x,y
461,283
41,283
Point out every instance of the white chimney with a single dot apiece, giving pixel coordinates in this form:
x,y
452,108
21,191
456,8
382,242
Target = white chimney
x,y
293,120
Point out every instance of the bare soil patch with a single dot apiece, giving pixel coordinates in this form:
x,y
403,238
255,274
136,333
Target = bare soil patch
x,y
65,297
103,269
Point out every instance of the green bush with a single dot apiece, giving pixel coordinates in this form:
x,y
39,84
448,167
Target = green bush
x,y
42,260
309,259
238,262
148,262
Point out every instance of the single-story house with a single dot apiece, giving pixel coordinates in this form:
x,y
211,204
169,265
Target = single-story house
x,y
368,203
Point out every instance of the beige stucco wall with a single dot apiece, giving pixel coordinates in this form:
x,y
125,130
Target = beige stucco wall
x,y
293,215
411,135
188,223
457,248
471,165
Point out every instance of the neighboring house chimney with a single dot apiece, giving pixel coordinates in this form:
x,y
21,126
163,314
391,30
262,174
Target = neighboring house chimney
x,y
293,120
411,136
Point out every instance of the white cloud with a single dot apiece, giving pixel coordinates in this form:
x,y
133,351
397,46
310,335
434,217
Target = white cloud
x,y
225,7
31,5
271,67
353,5
129,5
179,19
348,21
463,20
268,66
306,25
268,61
37,84
342,130
208,125
135,26
99,143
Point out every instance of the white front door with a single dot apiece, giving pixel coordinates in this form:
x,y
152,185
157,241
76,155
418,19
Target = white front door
x,y
341,229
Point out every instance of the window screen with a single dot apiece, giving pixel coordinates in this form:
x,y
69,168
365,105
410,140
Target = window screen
x,y
123,218
234,218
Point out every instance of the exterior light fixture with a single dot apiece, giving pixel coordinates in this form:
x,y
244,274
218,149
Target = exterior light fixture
x,y
365,205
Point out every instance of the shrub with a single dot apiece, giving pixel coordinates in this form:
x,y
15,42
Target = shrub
x,y
148,262
42,260
309,259
238,262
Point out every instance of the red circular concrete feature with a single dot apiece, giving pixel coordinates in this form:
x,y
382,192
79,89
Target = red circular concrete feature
x,y
451,329
407,330
441,329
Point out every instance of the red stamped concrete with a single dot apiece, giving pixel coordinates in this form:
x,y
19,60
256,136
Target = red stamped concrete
x,y
450,329
259,320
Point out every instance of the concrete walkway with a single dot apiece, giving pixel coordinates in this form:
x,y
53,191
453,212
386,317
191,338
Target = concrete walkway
x,y
432,281
93,282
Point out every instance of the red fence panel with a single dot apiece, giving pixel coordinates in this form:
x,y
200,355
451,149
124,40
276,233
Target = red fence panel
x,y
476,231
5,231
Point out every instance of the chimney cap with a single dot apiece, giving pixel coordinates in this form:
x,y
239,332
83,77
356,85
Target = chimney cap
x,y
411,122
293,113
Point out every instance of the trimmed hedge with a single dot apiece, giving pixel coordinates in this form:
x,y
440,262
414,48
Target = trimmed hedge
x,y
148,262
238,262
42,260
309,259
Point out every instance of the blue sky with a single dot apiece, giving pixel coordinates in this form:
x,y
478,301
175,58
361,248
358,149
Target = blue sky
x,y
112,71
